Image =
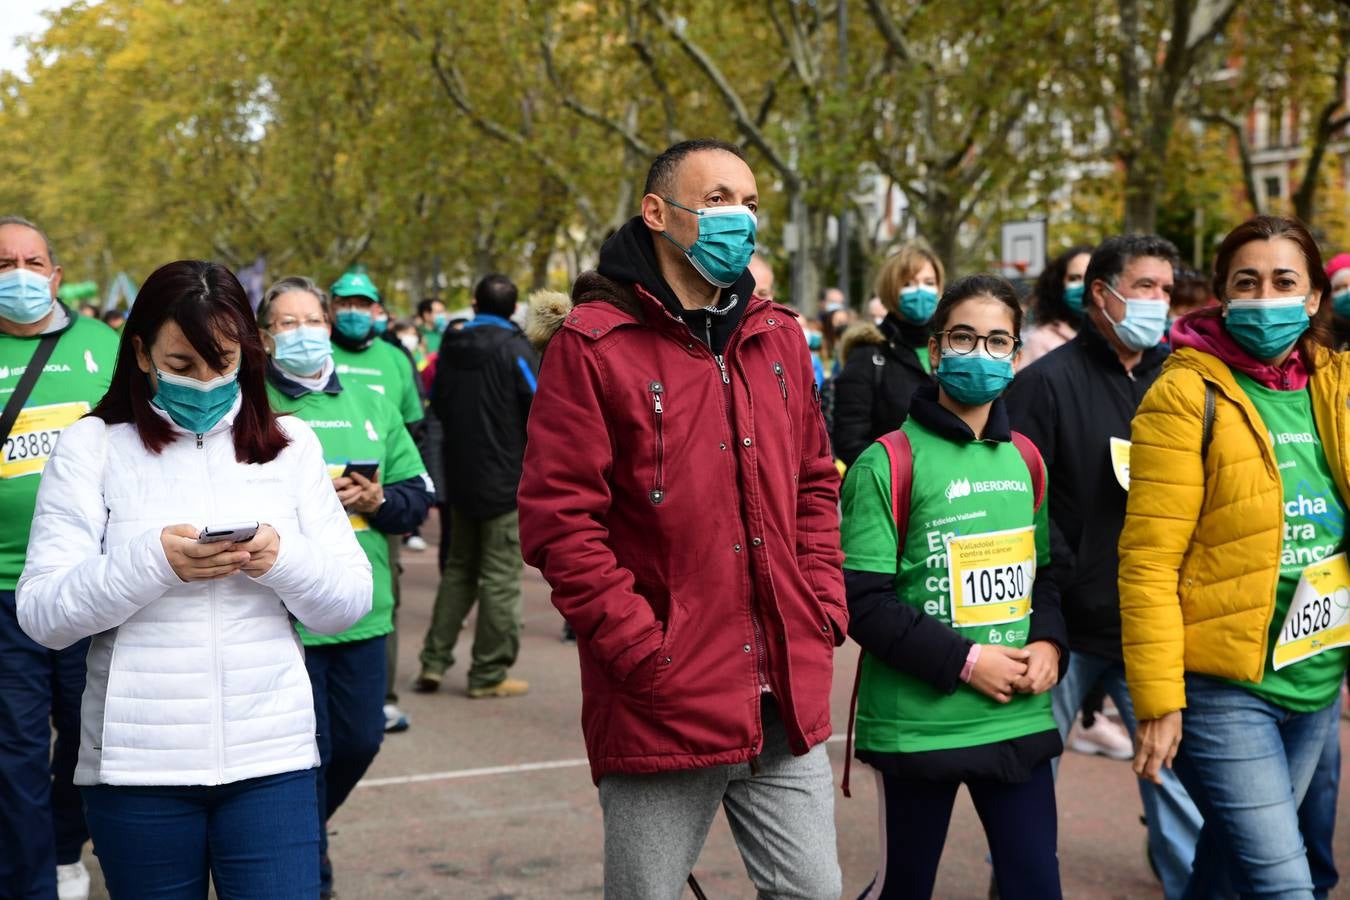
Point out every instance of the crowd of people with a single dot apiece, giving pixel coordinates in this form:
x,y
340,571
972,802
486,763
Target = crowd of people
x,y
1111,510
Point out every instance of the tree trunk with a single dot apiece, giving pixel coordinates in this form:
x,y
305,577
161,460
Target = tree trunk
x,y
1142,187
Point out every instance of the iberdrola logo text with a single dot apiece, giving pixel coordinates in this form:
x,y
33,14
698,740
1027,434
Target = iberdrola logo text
x,y
964,487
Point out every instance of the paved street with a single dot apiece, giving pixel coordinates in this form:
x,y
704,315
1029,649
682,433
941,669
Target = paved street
x,y
492,798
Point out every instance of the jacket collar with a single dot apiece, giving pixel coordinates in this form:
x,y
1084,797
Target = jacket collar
x,y
1095,344
481,319
899,333
284,382
925,409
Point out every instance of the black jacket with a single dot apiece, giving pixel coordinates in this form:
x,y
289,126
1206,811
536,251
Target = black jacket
x,y
1071,402
872,393
485,378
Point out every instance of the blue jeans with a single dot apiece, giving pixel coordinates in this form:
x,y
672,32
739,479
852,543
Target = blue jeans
x,y
349,687
1317,816
41,823
1173,820
258,839
1248,763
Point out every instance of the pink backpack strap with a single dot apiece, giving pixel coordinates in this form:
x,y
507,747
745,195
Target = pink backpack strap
x,y
1035,465
901,455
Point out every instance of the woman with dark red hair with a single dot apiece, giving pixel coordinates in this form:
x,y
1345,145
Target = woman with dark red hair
x,y
198,747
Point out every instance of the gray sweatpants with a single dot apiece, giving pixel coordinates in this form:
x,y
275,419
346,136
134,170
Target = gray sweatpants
x,y
782,818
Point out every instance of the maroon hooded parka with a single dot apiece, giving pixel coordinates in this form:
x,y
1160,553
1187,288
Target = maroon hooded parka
x,y
687,521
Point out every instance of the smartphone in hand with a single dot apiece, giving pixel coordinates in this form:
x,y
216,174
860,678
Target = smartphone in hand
x,y
237,533
366,468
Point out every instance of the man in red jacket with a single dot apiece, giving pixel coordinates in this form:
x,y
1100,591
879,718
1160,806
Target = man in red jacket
x,y
680,497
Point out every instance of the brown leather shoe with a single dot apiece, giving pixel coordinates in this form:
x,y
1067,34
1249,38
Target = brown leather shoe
x,y
510,687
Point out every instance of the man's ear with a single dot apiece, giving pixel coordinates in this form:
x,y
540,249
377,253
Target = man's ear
x,y
653,212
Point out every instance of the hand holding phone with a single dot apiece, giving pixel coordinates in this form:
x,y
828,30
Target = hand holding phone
x,y
237,533
359,488
192,560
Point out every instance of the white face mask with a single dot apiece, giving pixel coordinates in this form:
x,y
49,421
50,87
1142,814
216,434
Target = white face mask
x,y
409,341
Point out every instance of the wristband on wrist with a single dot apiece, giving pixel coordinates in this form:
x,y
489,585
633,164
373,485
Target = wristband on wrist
x,y
971,658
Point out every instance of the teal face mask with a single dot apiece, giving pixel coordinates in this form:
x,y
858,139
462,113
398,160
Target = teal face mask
x,y
1340,302
381,325
1266,328
193,405
440,320
813,340
917,304
302,351
25,296
354,323
973,378
725,242
1073,296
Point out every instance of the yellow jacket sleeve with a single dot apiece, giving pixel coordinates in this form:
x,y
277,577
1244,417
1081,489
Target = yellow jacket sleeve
x,y
1167,488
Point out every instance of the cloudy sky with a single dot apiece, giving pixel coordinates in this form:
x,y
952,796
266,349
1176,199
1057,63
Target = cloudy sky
x,y
22,17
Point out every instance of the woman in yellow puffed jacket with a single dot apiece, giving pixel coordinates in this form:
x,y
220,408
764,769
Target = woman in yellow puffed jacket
x,y
1234,586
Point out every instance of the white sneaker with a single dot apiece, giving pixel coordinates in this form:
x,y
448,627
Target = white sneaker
x,y
72,881
395,719
1106,737
415,543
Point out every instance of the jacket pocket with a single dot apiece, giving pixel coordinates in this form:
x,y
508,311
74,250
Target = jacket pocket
x,y
657,493
665,657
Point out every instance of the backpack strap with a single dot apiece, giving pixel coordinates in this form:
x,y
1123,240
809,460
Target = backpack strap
x,y
1035,465
901,455
1207,431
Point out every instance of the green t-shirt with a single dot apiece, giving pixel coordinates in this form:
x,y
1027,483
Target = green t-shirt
x,y
431,338
383,367
1314,529
959,490
73,381
357,424
924,361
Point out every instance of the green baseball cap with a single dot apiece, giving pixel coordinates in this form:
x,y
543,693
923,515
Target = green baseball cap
x,y
355,283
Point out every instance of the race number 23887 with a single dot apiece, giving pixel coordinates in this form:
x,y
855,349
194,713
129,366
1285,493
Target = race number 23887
x,y
991,576
33,438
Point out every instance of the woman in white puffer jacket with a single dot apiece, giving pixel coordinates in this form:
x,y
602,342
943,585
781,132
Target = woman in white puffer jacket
x,y
197,748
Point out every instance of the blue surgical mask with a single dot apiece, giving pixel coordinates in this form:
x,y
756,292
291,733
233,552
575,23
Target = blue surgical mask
x,y
813,340
25,296
917,303
354,323
1340,302
302,351
1266,328
196,406
973,378
1144,323
381,325
440,320
1073,296
725,242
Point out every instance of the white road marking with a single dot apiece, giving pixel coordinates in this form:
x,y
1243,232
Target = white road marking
x,y
489,771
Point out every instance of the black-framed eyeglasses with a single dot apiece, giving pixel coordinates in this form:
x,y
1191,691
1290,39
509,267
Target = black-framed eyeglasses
x,y
999,344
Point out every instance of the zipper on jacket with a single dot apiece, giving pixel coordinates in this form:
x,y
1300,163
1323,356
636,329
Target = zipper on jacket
x,y
782,382
722,365
658,492
199,442
761,656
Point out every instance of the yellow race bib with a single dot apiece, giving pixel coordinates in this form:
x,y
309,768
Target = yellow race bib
x,y
358,521
33,437
991,576
1319,615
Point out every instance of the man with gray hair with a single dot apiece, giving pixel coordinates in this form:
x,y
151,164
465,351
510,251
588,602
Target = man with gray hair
x,y
1076,404
54,366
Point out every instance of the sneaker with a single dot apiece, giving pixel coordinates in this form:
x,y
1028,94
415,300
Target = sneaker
x,y
509,687
415,543
1105,738
395,719
72,881
427,682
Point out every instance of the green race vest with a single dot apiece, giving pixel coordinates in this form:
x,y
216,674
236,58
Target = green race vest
x,y
358,424
72,382
960,490
383,367
1314,529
